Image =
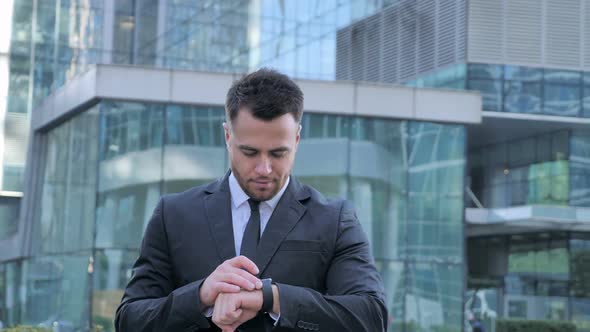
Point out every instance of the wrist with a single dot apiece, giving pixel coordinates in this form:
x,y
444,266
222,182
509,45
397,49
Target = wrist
x,y
205,303
276,305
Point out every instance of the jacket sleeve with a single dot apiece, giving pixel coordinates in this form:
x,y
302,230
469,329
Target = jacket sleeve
x,y
150,302
354,299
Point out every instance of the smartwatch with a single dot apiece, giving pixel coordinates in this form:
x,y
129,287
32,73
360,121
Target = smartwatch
x,y
267,298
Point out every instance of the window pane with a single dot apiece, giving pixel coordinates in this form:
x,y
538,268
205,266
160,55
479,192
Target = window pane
x,y
491,92
522,97
194,151
526,74
562,100
66,218
563,76
112,271
485,71
127,190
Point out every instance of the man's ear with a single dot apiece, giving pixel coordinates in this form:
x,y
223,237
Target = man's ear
x,y
226,131
298,134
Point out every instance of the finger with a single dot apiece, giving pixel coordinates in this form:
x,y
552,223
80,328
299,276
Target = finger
x,y
243,262
224,287
246,275
236,279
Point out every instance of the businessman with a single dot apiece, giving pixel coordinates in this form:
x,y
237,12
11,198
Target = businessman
x,y
256,250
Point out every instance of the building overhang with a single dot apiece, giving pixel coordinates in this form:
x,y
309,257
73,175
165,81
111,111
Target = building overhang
x,y
204,88
526,219
498,127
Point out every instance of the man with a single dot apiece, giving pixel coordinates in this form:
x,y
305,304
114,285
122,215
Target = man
x,y
304,262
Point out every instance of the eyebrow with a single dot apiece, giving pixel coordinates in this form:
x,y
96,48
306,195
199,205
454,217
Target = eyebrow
x,y
279,149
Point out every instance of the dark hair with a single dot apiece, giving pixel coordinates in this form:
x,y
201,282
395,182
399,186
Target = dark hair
x,y
267,94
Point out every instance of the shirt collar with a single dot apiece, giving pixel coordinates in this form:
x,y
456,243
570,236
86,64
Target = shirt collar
x,y
239,197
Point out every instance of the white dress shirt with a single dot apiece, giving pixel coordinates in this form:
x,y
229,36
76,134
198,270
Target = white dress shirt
x,y
240,214
240,209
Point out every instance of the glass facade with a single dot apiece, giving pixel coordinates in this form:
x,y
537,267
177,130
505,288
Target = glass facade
x,y
518,89
52,41
404,177
546,278
528,171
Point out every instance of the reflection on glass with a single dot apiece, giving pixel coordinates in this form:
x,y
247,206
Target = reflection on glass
x,y
194,151
112,271
9,212
129,171
524,74
562,77
434,301
522,97
56,292
435,198
485,71
65,220
562,100
527,171
491,92
586,101
580,168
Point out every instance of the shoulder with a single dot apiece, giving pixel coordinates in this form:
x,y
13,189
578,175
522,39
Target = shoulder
x,y
187,198
340,207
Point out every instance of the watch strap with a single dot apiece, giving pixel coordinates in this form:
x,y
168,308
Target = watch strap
x,y
267,296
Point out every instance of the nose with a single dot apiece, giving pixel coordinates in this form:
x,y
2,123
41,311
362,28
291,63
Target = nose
x,y
263,167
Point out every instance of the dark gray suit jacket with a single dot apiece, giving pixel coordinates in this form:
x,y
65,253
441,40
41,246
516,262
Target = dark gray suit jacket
x,y
314,249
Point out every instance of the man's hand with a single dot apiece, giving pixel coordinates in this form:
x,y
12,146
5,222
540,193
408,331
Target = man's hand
x,y
231,276
233,309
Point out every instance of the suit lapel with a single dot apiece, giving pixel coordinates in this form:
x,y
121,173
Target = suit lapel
x,y
218,209
286,215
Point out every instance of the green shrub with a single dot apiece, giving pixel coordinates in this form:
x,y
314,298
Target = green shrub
x,y
534,326
21,328
26,329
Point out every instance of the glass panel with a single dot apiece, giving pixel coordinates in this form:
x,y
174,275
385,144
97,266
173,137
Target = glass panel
x,y
112,271
394,281
66,221
522,97
56,292
491,92
377,175
581,314
435,181
191,133
580,265
521,152
434,299
526,74
9,212
319,143
586,102
131,137
12,299
562,100
563,76
485,71
580,168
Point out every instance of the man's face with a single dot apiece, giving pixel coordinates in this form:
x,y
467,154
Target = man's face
x,y
261,152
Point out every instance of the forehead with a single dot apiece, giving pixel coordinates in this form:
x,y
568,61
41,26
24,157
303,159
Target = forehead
x,y
245,127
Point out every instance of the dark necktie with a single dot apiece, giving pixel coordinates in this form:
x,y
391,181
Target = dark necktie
x,y
252,232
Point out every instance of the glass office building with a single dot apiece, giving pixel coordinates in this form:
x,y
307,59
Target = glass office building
x,y
98,175
95,173
98,161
